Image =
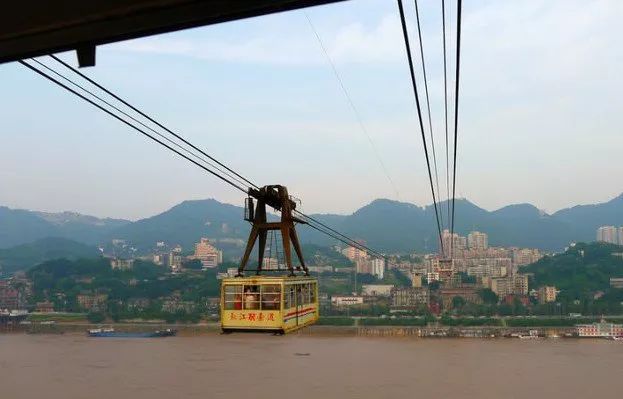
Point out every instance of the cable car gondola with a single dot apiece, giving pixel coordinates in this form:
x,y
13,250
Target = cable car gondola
x,y
270,303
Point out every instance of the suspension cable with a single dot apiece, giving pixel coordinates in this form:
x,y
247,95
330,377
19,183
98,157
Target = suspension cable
x,y
445,104
352,104
310,220
456,106
430,119
347,240
238,180
419,113
149,118
143,132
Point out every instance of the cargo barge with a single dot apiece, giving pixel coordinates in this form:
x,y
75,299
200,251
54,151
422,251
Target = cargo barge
x,y
111,333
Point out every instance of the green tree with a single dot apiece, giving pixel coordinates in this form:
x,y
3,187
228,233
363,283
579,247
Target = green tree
x,y
434,285
458,302
488,296
194,264
96,317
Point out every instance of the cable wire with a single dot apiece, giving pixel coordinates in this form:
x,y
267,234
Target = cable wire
x,y
419,113
312,222
352,104
69,89
347,241
456,106
445,103
430,119
148,117
445,96
350,240
137,121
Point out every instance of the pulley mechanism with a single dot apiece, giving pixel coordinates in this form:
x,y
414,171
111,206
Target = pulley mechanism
x,y
276,197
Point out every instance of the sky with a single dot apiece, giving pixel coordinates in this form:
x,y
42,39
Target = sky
x,y
539,116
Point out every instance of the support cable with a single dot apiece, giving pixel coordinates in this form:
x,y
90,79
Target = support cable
x,y
348,241
430,119
57,82
456,106
149,118
419,113
137,121
312,222
445,103
352,104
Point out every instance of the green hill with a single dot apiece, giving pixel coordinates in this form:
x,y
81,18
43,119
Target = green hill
x,y
185,223
581,271
25,256
19,226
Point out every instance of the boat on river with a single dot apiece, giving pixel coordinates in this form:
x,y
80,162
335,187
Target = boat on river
x,y
532,334
111,333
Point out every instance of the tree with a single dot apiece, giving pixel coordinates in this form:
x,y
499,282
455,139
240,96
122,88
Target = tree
x,y
95,317
466,278
488,296
194,264
458,302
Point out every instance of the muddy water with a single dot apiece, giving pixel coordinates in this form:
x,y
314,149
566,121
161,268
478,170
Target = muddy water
x,y
261,366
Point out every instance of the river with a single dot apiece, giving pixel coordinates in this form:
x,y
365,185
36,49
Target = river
x,y
263,366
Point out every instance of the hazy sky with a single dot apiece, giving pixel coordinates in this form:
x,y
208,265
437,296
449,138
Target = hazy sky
x,y
540,114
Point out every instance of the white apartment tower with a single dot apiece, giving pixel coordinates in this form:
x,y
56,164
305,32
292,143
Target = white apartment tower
x,y
608,234
477,240
454,241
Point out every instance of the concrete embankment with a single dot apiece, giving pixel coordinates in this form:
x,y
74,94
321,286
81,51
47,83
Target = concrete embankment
x,y
437,332
186,330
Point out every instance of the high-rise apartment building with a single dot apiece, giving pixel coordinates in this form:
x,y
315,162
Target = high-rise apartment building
x,y
525,256
621,235
354,253
209,256
374,266
608,234
453,240
477,240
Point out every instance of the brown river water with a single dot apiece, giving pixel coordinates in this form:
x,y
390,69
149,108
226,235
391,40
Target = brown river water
x,y
264,366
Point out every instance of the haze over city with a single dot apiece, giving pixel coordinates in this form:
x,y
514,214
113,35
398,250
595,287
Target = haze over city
x,y
539,122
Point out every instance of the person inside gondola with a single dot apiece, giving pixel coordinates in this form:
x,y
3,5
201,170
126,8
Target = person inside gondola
x,y
251,297
270,297
238,301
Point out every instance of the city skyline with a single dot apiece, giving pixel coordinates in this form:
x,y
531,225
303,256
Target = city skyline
x,y
238,89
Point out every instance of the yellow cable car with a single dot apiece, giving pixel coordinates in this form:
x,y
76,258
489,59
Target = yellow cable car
x,y
265,303
270,303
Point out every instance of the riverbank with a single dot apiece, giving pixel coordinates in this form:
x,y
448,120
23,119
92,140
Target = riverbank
x,y
202,329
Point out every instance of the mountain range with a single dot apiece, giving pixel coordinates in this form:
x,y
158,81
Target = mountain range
x,y
384,224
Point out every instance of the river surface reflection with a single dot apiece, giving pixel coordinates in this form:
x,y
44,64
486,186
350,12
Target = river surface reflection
x,y
263,366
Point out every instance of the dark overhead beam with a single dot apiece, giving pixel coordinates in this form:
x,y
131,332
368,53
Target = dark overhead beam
x,y
30,28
